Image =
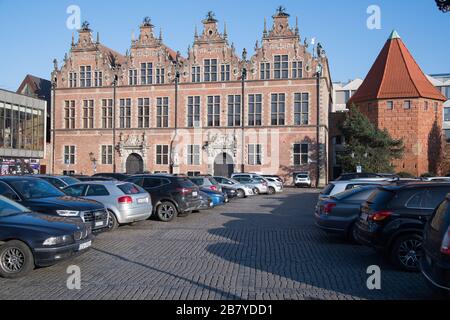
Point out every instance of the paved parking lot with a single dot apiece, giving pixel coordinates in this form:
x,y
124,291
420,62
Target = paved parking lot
x,y
258,248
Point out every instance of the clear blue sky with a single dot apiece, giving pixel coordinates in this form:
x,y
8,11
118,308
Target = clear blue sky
x,y
33,33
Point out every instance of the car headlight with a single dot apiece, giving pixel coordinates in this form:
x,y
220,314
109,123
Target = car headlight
x,y
54,241
68,213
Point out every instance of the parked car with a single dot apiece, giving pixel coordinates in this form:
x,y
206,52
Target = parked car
x,y
353,176
205,203
29,240
339,213
392,220
245,175
117,176
230,192
218,198
242,190
260,186
275,183
40,196
435,264
58,181
278,178
170,195
125,202
303,180
206,182
337,187
92,179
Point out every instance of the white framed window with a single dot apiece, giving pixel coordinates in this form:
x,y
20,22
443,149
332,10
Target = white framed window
x,y
301,109
255,154
72,79
301,154
210,70
85,76
278,109
297,69
69,155
196,74
193,112
125,114
213,111
107,113
265,71
69,114
234,111
160,76
98,79
255,110
88,114
162,112
193,155
225,72
143,113
407,105
133,77
107,154
281,67
162,154
146,73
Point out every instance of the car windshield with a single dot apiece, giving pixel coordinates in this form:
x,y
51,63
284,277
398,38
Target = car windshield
x,y
70,181
328,189
302,176
35,189
129,188
8,207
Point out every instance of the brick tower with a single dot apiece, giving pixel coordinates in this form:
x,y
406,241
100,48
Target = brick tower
x,y
397,96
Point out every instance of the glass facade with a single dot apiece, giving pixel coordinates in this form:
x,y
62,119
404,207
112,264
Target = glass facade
x,y
22,125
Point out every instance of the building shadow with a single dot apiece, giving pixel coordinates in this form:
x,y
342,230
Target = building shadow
x,y
286,244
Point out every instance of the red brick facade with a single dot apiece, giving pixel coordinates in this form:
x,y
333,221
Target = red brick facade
x,y
209,77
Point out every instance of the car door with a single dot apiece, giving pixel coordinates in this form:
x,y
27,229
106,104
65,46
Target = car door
x,y
55,182
77,190
98,193
153,186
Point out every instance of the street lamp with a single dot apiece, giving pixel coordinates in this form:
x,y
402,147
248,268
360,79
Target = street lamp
x,y
53,121
115,67
176,81
94,162
243,78
318,76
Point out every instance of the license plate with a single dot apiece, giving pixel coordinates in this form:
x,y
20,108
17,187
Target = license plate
x,y
143,200
195,194
99,224
364,217
85,245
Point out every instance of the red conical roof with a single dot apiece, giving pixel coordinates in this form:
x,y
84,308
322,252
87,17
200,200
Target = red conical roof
x,y
395,75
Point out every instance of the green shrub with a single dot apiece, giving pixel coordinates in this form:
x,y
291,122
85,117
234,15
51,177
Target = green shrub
x,y
405,175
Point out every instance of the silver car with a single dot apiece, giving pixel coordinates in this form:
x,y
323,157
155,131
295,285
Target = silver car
x,y
243,190
260,185
125,202
275,183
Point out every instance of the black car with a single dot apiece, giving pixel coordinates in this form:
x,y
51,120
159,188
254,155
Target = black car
x,y
170,195
393,219
40,196
116,176
205,201
30,239
354,176
339,213
58,181
435,264
230,192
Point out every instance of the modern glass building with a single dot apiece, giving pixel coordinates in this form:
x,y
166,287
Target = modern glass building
x,y
22,131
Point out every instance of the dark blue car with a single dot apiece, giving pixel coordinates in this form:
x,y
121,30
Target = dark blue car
x,y
29,239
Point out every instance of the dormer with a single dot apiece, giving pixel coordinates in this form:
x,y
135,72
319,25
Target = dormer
x,y
146,38
85,41
281,28
210,33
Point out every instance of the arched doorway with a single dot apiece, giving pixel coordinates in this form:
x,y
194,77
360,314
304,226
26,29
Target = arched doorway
x,y
223,165
135,164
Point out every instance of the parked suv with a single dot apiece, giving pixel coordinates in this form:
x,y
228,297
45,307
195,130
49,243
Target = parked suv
x,y
116,176
206,182
170,195
303,180
337,187
353,176
393,220
40,196
30,239
435,263
125,202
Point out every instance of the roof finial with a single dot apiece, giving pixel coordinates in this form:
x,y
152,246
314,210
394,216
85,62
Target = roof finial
x,y
296,26
394,35
160,35
132,36
98,37
225,31
73,39
196,32
265,27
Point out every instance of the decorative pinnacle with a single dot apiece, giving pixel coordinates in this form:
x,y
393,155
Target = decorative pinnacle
x,y
394,35
225,31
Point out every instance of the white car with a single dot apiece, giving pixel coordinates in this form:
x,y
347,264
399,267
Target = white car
x,y
243,190
303,180
337,187
275,183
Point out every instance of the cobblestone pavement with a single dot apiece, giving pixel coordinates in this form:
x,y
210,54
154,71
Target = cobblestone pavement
x,y
260,248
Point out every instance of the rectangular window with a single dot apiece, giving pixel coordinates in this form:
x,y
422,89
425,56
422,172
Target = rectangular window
x,y
69,154
107,155
107,113
69,114
390,105
278,109
162,155
214,111
265,71
196,74
88,114
85,76
125,114
254,154
436,107
193,112
133,77
146,73
162,112
407,105
193,173
297,69
193,155
255,110
160,76
72,80
425,106
98,78
281,67
234,111
225,72
143,113
301,109
210,70
447,114
301,154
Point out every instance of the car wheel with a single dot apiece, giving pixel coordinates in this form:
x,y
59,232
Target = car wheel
x,y
113,224
16,260
256,191
271,191
351,235
240,193
407,252
166,212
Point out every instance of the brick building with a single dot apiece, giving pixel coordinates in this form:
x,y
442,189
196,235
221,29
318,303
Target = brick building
x,y
397,96
186,114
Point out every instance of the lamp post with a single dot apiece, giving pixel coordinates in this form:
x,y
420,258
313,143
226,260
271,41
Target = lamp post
x,y
176,82
54,85
318,76
94,162
114,122
243,78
